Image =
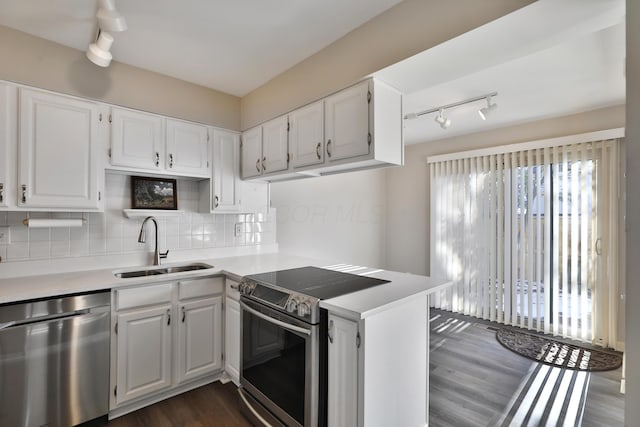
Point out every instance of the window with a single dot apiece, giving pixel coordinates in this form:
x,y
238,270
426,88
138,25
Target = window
x,y
529,238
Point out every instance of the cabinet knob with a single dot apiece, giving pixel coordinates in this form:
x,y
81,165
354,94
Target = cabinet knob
x,y
329,148
170,160
157,159
318,151
330,331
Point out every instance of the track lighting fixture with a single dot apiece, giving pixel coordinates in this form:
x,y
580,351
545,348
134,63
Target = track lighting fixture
x,y
109,20
484,112
98,52
445,122
442,120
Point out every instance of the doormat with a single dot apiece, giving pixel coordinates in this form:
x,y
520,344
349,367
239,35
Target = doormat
x,y
556,353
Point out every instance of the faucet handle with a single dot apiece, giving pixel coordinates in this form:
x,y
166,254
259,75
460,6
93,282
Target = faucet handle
x,y
163,255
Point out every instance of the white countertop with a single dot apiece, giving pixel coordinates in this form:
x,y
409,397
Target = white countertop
x,y
357,305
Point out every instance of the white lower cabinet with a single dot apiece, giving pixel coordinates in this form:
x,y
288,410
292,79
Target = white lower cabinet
x,y
232,332
343,354
168,339
378,367
199,344
144,352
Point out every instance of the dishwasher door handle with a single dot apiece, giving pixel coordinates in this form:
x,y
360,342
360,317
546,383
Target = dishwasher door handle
x,y
6,325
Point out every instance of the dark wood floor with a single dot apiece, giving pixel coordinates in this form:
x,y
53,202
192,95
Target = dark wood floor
x,y
213,405
477,382
474,382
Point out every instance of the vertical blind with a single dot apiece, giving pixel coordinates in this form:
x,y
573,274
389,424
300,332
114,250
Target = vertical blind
x,y
529,238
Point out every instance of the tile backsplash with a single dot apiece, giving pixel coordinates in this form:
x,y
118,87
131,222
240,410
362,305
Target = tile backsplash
x,y
111,233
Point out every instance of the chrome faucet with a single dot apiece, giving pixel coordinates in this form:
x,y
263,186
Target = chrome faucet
x,y
157,256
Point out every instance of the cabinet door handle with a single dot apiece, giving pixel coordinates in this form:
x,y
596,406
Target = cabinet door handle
x,y
170,160
24,193
216,201
184,314
234,287
1,192
168,316
329,148
157,159
318,151
264,159
330,331
258,165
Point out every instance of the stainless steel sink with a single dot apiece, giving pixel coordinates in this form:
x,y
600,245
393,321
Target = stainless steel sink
x,y
161,270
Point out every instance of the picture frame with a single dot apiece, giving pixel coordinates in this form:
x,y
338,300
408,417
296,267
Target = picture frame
x,y
154,193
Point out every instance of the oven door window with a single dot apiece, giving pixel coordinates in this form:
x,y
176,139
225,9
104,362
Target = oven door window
x,y
273,361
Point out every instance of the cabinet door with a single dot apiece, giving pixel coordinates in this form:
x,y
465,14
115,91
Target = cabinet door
x,y
306,135
226,147
274,145
58,151
8,144
232,339
346,120
199,338
342,372
144,352
137,139
251,152
187,148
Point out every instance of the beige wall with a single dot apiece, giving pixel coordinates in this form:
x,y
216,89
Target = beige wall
x,y
338,218
403,31
632,409
408,186
37,62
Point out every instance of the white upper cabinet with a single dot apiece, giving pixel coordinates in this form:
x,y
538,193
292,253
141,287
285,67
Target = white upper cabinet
x,y
252,152
347,123
359,127
148,142
275,151
306,140
225,161
8,145
137,139
187,148
58,152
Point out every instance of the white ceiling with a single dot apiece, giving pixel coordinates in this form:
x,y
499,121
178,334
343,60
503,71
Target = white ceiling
x,y
233,46
551,58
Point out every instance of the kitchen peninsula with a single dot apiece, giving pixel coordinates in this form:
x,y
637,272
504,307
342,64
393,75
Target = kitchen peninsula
x,y
381,334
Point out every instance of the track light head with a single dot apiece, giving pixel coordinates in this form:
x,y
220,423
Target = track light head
x,y
98,52
109,19
484,112
442,120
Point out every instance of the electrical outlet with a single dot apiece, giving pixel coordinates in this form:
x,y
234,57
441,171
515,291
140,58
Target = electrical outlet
x,y
238,229
5,235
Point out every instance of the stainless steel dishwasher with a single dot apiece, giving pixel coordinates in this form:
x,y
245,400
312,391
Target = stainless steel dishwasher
x,y
54,360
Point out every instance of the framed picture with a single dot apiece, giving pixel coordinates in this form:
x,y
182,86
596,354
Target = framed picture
x,y
153,193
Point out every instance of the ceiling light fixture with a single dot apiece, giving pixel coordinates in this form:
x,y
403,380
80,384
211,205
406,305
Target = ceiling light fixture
x,y
484,112
98,52
109,20
444,122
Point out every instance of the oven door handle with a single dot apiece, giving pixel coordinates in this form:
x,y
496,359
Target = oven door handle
x,y
277,322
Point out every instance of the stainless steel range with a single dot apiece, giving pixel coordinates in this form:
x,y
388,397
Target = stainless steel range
x,y
283,367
